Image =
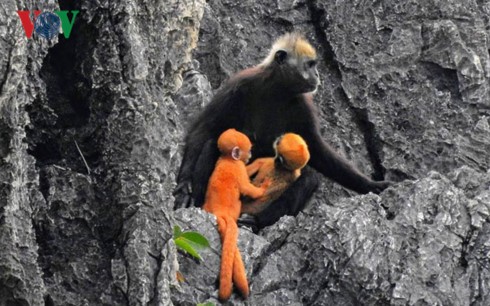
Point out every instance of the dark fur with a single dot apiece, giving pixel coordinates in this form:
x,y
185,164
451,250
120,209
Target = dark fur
x,y
265,103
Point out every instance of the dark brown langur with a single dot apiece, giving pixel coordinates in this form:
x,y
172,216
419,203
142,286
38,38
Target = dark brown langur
x,y
265,102
281,171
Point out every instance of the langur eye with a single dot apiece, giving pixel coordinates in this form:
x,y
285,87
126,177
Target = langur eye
x,y
281,159
280,56
311,63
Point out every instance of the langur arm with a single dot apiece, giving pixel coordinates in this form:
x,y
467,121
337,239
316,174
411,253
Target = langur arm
x,y
194,143
204,168
196,148
272,193
333,165
248,189
277,189
255,166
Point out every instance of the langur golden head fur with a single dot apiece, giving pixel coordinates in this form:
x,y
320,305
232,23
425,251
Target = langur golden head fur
x,y
291,66
293,43
294,150
231,139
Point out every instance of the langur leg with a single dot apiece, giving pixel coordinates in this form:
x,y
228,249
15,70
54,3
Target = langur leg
x,y
293,200
204,168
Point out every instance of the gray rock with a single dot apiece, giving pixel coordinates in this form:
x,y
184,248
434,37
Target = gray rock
x,y
92,127
419,243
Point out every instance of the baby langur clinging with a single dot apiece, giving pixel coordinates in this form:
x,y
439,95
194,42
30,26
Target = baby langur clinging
x,y
295,62
291,156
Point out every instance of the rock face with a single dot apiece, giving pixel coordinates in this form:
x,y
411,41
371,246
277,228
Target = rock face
x,y
91,129
424,242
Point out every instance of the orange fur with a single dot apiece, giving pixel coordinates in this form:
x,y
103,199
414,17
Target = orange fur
x,y
227,182
303,47
294,152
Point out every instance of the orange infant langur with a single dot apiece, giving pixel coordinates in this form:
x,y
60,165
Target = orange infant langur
x,y
281,171
228,181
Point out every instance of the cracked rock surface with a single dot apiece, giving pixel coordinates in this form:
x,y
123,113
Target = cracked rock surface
x,y
420,243
92,127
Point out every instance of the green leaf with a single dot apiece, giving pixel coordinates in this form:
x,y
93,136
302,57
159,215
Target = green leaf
x,y
197,240
206,304
177,231
190,242
184,245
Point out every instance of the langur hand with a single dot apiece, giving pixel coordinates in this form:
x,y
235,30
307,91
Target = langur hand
x,y
378,186
183,195
266,183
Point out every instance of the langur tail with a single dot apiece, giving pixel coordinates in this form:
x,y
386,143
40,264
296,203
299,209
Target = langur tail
x,y
239,274
229,235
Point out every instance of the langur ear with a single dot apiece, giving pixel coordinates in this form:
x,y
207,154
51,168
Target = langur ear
x,y
280,56
235,153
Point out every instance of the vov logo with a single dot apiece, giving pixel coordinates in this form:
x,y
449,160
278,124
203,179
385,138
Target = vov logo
x,y
47,24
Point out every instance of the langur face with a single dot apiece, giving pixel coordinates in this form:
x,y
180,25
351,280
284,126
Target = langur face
x,y
248,156
279,159
298,73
